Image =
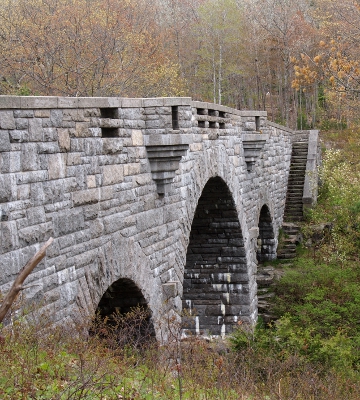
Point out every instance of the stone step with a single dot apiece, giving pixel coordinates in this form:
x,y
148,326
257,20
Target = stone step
x,y
290,232
294,197
286,256
298,145
291,214
293,201
297,178
294,213
297,168
298,175
295,185
295,192
294,219
289,246
299,159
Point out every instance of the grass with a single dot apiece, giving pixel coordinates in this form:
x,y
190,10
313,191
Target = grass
x,y
39,361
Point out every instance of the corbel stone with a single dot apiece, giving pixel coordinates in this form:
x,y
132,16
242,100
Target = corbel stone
x,y
164,153
253,144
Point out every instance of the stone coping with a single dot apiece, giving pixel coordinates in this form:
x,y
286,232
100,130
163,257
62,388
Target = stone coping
x,y
284,128
31,102
219,107
34,102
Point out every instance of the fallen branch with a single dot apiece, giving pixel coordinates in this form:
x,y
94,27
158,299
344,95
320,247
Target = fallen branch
x,y
23,274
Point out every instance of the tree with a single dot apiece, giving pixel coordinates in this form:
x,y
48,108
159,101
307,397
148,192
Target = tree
x,y
335,64
281,29
86,48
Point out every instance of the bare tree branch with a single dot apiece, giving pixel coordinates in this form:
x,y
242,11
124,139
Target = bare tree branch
x,y
23,274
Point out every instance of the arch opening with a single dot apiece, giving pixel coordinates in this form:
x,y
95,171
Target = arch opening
x,y
125,314
266,244
216,282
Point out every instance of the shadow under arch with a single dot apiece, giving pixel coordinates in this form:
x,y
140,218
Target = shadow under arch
x,y
125,310
216,281
266,243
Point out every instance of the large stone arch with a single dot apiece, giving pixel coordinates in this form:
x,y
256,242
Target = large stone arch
x,y
216,280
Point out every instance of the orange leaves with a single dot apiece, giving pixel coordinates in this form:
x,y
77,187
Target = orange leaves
x,y
304,75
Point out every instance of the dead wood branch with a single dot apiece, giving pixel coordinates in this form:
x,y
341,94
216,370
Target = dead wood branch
x,y
23,274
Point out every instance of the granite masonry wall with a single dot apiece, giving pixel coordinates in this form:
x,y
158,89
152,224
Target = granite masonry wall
x,y
123,186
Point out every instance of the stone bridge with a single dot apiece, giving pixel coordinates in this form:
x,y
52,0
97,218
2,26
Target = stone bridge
x,y
165,202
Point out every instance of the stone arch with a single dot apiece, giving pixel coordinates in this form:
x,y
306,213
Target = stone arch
x,y
120,267
122,297
216,280
266,243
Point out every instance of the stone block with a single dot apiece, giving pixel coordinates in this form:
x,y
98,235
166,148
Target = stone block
x,y
35,234
81,129
137,137
10,102
39,102
48,148
117,222
17,136
131,169
134,124
68,221
36,132
113,174
131,103
9,236
21,123
93,146
44,114
4,141
149,219
91,181
83,197
36,215
5,188
112,145
57,166
68,102
56,117
7,120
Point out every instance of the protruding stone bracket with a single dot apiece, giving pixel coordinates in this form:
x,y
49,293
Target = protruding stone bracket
x,y
253,143
164,153
170,289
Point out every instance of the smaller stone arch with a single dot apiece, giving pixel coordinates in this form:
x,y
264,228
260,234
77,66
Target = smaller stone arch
x,y
266,243
120,299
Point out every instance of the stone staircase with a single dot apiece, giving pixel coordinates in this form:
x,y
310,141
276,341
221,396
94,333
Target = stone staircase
x,y
294,202
291,237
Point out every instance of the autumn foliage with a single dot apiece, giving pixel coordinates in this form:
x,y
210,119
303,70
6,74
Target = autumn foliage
x,y
298,60
85,48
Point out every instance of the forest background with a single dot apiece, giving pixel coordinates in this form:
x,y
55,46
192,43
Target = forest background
x,y
298,60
